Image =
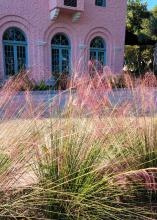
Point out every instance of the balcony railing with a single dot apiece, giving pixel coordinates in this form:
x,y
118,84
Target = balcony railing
x,y
71,3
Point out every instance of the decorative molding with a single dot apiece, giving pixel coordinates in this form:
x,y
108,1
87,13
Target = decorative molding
x,y
118,49
54,14
76,17
41,43
83,46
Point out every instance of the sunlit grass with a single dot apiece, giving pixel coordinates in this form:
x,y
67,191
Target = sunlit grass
x,y
90,160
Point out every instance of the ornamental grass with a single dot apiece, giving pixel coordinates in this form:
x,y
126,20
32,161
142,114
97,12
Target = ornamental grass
x,y
86,153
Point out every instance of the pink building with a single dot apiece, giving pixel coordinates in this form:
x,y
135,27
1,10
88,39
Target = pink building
x,y
60,36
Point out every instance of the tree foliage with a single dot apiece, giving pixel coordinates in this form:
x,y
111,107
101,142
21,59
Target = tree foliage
x,y
139,59
137,12
153,23
142,23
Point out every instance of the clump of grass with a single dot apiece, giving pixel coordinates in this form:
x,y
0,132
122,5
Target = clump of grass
x,y
80,155
4,162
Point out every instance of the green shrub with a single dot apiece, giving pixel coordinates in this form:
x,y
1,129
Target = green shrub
x,y
41,86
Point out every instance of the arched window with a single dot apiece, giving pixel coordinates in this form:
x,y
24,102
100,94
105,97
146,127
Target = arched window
x,y
15,51
60,54
98,52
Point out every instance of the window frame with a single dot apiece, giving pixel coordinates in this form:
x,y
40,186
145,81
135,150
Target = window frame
x,y
15,44
103,4
98,51
74,5
60,48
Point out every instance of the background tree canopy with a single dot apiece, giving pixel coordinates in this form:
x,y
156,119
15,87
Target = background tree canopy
x,y
143,23
137,12
152,23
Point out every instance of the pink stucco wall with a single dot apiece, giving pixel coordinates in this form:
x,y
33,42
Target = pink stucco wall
x,y
33,17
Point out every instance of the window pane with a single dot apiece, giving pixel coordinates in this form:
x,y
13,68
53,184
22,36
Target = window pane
x,y
55,61
65,61
97,42
13,34
71,3
101,57
92,55
21,58
101,3
9,60
60,39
